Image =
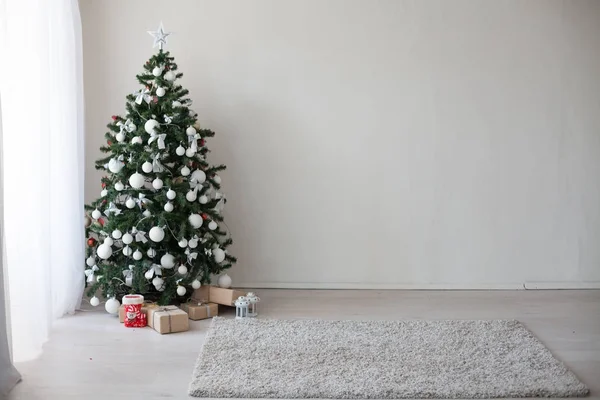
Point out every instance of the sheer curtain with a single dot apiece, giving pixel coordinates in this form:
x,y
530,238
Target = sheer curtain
x,y
42,108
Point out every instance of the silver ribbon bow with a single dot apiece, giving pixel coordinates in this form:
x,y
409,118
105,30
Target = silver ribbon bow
x,y
159,137
126,126
142,200
154,270
143,95
140,236
90,273
207,251
128,275
168,119
190,255
112,209
156,165
192,141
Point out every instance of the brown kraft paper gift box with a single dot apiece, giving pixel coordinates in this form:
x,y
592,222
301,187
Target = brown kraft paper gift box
x,y
167,319
215,294
199,310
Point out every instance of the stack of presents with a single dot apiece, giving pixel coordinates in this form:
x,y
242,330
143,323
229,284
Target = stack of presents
x,y
205,303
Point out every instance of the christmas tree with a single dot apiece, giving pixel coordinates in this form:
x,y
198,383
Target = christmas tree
x,y
157,228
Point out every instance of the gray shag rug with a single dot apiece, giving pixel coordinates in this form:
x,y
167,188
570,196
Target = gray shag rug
x,y
259,358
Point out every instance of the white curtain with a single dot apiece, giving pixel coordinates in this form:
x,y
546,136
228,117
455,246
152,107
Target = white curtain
x,y
42,107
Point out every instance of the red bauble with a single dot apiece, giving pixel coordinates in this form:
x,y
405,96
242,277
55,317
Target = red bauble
x,y
91,242
204,216
103,185
109,142
201,142
114,117
155,99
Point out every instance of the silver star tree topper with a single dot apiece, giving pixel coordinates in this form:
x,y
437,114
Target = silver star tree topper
x,y
160,36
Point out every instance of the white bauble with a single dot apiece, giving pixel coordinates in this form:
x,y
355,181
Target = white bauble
x,y
170,76
157,71
150,126
127,251
116,234
180,150
157,282
168,206
160,92
181,290
218,255
127,238
120,137
112,306
151,253
224,281
91,260
193,243
115,165
191,195
157,183
171,194
212,225
103,192
108,241
195,221
96,214
146,213
182,270
203,199
190,152
190,131
130,203
176,104
167,261
137,180
196,284
185,171
147,167
156,234
119,186
198,176
137,255
149,274
136,140
94,301
182,243
217,179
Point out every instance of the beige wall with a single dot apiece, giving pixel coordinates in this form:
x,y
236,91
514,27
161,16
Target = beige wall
x,y
382,143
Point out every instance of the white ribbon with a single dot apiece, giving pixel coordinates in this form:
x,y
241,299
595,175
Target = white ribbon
x,y
190,255
168,119
220,205
90,273
154,270
192,140
128,275
143,95
140,236
156,165
112,209
142,200
207,251
159,137
128,126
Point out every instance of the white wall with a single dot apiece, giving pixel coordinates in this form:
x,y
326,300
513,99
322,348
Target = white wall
x,y
382,143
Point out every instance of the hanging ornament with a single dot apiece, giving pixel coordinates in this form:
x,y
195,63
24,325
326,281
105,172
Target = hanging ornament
x,y
136,140
180,150
193,243
183,243
116,164
119,186
128,275
170,76
204,216
176,104
91,242
157,282
217,179
151,253
91,261
157,183
157,71
150,126
94,301
203,199
96,214
112,209
112,306
103,193
120,137
87,221
171,194
130,203
195,221
168,206
156,234
190,131
167,261
137,180
127,251
160,139
196,284
180,290
198,176
146,213
224,281
191,196
218,255
142,95
109,241
116,234
137,255
147,167
182,270
190,152
127,238
185,171
104,251
90,273
212,225
160,92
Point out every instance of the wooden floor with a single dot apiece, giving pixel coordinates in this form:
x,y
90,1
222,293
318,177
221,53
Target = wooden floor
x,y
91,356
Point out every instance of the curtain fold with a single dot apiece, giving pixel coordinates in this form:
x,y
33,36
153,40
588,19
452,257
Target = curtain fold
x,y
42,93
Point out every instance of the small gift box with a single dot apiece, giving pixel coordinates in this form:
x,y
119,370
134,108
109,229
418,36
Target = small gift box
x,y
167,319
199,310
227,297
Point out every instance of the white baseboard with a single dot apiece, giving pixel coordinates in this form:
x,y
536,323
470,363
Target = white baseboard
x,y
410,286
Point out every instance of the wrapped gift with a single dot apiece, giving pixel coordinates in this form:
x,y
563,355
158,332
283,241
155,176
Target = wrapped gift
x,y
227,297
167,319
199,310
143,310
201,295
